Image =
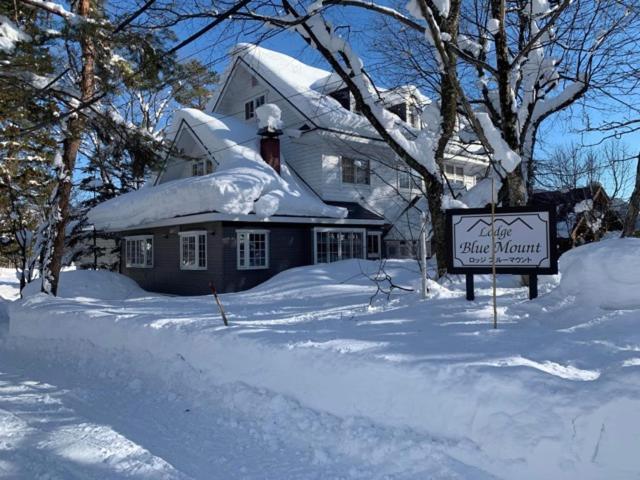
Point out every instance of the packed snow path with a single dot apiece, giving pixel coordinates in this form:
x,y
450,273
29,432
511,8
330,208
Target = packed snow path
x,y
60,419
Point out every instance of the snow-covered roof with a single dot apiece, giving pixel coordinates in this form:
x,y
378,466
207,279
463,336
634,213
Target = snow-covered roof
x,y
305,86
243,183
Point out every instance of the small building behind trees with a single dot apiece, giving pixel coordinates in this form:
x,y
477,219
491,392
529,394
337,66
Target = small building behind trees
x,y
583,214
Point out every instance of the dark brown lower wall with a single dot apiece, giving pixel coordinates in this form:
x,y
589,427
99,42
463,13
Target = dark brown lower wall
x,y
290,245
166,275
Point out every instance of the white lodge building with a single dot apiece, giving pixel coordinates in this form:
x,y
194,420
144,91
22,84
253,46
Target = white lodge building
x,y
247,198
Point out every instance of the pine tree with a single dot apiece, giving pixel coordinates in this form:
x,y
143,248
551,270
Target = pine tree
x,y
70,72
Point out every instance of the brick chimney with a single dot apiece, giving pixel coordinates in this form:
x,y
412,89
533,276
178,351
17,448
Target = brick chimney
x,y
270,146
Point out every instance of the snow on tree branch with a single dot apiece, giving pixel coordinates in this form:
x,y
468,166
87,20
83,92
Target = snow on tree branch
x,y
10,34
350,67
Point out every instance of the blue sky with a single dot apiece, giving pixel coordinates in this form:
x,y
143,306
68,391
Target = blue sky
x,y
561,129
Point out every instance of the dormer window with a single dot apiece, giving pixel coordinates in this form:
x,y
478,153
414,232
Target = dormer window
x,y
343,96
201,167
413,117
251,105
400,110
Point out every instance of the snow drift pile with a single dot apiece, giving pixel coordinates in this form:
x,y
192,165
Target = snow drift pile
x,y
553,393
605,274
241,184
97,284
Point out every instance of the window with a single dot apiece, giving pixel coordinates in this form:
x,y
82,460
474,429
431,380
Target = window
x,y
333,244
201,167
400,110
254,81
413,117
249,111
454,174
374,244
343,96
403,249
252,249
355,171
193,250
251,105
139,251
404,178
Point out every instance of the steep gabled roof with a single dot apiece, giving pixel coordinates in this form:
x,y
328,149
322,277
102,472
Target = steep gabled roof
x,y
305,87
243,184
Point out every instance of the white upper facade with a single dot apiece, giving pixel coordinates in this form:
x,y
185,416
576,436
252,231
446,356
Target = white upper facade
x,y
330,150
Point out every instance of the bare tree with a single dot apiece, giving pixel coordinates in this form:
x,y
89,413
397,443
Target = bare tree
x,y
572,166
511,82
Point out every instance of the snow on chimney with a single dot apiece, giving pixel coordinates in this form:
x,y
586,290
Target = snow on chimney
x,y
269,124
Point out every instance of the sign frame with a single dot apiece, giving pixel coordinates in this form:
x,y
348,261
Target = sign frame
x,y
552,238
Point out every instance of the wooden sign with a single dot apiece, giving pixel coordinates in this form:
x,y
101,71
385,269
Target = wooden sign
x,y
524,239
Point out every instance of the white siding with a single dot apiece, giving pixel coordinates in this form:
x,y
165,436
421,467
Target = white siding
x,y
305,157
315,157
177,167
240,88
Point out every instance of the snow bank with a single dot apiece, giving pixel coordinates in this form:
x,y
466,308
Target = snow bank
x,y
242,183
97,284
605,274
528,400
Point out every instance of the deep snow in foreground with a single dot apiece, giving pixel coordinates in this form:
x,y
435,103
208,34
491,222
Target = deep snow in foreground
x,y
315,379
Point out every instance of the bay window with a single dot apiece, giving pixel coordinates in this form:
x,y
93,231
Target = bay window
x,y
333,244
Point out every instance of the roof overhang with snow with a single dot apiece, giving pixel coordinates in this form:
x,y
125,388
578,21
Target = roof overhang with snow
x,y
225,217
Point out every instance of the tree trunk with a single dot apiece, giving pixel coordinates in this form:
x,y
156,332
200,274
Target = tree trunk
x,y
513,192
449,114
71,146
434,199
634,206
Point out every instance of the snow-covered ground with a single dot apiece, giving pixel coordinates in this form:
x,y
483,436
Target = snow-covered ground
x,y
318,378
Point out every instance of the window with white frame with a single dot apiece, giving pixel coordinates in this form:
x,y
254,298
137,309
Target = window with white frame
x,y
139,251
374,244
457,176
251,105
413,117
333,244
404,179
355,171
201,167
454,174
252,249
193,250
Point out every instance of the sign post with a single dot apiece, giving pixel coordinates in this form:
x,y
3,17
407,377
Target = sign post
x,y
511,240
493,255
